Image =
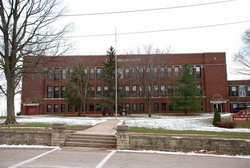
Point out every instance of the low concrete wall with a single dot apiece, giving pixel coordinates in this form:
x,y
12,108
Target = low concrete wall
x,y
183,144
13,137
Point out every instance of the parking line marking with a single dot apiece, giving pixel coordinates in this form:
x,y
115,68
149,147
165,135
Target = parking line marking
x,y
105,159
34,158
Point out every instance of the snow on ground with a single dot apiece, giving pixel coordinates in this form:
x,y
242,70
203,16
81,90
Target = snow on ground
x,y
28,146
196,123
56,119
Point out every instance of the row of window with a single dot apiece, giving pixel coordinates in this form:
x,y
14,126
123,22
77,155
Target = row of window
x,y
134,107
134,90
241,91
128,72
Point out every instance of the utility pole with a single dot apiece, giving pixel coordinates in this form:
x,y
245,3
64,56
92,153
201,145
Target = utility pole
x,y
115,76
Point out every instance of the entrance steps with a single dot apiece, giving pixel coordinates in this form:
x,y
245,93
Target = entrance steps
x,y
91,141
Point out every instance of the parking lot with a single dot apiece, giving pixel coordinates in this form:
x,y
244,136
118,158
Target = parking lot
x,y
98,158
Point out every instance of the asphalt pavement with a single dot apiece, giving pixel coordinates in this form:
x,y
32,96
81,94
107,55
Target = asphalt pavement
x,y
100,158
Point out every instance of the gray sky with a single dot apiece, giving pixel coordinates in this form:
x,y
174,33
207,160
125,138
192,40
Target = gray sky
x,y
186,14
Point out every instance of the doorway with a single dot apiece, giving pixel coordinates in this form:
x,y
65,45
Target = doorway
x,y
218,106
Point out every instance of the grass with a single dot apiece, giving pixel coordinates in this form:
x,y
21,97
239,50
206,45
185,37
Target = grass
x,y
207,134
178,114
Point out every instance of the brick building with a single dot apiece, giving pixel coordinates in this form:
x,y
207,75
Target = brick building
x,y
43,93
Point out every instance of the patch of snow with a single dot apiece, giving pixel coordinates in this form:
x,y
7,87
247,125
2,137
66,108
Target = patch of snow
x,y
28,146
183,153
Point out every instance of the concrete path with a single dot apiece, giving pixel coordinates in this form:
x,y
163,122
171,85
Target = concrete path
x,y
105,128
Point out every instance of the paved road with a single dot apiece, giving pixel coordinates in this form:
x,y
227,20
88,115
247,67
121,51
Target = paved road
x,y
93,158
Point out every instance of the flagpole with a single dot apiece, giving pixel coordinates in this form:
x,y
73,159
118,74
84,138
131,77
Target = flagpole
x,y
115,75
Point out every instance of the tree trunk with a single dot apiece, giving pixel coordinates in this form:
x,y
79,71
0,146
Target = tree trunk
x,y
79,110
11,119
84,107
149,106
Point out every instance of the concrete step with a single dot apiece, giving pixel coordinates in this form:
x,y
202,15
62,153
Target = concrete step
x,y
91,140
97,145
82,136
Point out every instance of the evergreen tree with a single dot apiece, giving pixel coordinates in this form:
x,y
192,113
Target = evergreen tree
x,y
78,88
109,81
187,96
217,117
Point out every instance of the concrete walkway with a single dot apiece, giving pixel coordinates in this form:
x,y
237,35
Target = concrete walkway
x,y
105,128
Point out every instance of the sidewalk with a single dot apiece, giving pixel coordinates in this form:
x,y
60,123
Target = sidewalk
x,y
105,128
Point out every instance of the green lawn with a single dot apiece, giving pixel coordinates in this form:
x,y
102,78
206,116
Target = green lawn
x,y
207,134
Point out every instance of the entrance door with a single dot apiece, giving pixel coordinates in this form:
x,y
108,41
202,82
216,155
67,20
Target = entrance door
x,y
219,106
32,110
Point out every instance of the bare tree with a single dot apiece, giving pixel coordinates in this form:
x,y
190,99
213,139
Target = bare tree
x,y
242,58
150,79
26,30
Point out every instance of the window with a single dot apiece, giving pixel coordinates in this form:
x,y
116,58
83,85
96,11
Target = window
x,y
191,69
99,73
170,90
63,90
134,107
171,107
106,91
91,107
127,106
169,71
76,108
134,73
91,73
70,71
56,92
48,107
148,90
49,92
69,107
98,90
198,71
163,107
120,90
163,73
141,106
234,91
242,91
163,90
176,71
64,74
98,107
62,107
120,73
156,107
141,91
57,74
134,90
55,107
127,91
127,73
148,73
120,107
200,89
156,94
248,90
141,72
155,73
50,73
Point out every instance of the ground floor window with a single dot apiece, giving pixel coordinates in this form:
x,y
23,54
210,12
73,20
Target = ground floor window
x,y
156,107
48,107
127,107
76,108
171,107
141,106
91,107
163,107
98,108
69,107
134,107
55,107
62,107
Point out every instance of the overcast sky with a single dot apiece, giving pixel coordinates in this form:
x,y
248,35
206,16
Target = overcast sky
x,y
185,14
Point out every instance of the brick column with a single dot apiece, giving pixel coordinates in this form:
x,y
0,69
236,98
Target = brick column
x,y
58,134
122,137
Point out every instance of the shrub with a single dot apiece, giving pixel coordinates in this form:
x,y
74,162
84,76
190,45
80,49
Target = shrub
x,y
217,117
226,124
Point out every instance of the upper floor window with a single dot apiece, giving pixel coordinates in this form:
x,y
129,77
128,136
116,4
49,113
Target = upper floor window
x,y
63,90
170,90
50,73
98,90
120,90
200,89
148,90
169,71
49,92
134,90
148,72
133,72
127,91
234,91
70,71
120,73
198,71
127,73
163,72
155,72
163,90
141,91
91,73
156,94
64,73
141,72
176,71
248,90
242,91
191,69
56,92
106,91
57,74
99,73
